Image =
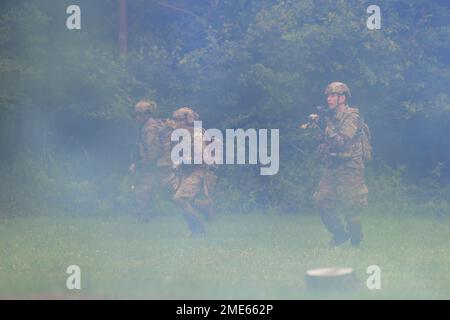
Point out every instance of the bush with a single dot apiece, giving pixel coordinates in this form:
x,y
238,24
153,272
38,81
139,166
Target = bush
x,y
31,186
390,193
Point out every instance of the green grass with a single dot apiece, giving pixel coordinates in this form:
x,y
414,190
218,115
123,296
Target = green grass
x,y
244,257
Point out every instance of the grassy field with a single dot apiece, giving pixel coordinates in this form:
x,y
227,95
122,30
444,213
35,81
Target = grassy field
x,y
244,257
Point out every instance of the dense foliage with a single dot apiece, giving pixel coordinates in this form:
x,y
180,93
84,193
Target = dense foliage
x,y
65,96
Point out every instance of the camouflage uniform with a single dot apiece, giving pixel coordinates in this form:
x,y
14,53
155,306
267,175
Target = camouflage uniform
x,y
150,150
197,181
342,187
167,177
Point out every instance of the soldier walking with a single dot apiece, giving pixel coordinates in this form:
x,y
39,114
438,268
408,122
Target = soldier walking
x,y
194,193
150,150
342,190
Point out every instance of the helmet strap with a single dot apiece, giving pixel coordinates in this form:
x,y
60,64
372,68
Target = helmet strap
x,y
339,99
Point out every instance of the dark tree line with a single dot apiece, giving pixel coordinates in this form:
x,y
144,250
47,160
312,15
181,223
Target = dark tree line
x,y
66,96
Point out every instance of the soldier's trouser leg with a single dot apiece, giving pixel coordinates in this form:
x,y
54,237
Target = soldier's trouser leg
x,y
332,221
191,216
186,193
355,193
206,207
209,183
354,226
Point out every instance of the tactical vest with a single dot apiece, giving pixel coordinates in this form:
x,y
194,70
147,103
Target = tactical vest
x,y
149,146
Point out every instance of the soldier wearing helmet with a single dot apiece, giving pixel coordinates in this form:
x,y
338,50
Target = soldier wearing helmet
x,y
196,181
149,152
342,190
338,88
185,115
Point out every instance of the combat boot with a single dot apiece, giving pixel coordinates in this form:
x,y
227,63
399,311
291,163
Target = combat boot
x,y
191,216
337,240
334,225
195,226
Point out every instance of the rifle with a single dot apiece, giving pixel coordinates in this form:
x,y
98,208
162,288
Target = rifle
x,y
317,121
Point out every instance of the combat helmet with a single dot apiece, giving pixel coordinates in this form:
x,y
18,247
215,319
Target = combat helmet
x,y
185,114
338,88
145,106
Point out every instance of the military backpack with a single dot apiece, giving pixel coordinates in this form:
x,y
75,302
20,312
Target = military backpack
x,y
365,137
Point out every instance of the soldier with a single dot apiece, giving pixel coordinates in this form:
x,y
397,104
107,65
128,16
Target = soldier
x,y
342,188
196,180
149,151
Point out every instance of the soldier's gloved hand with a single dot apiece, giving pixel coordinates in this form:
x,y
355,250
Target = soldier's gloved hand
x,y
312,121
313,117
132,167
